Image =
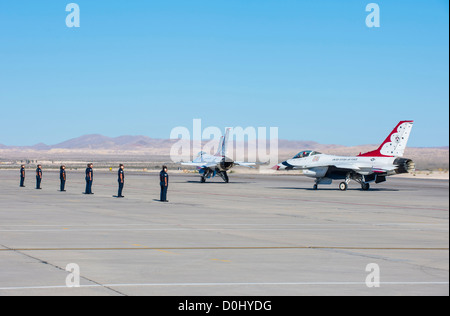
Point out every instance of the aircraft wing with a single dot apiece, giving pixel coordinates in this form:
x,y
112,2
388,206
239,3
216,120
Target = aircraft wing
x,y
361,168
245,164
349,166
358,167
200,164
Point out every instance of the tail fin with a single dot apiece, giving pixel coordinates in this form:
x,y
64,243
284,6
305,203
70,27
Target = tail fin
x,y
395,143
222,151
219,151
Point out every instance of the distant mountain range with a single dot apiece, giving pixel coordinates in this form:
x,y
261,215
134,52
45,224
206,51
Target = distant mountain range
x,y
100,142
96,141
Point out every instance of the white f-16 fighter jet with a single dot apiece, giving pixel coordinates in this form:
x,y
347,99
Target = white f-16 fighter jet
x,y
373,166
211,165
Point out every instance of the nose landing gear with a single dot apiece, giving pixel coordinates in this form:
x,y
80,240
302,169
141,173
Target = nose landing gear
x,y
343,186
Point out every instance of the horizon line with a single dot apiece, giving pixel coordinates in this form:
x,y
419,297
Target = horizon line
x,y
203,140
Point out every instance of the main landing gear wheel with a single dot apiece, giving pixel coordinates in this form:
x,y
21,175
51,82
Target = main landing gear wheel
x,y
224,176
365,186
203,180
343,186
315,187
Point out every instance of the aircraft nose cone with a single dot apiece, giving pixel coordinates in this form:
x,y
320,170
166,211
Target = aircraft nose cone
x,y
276,167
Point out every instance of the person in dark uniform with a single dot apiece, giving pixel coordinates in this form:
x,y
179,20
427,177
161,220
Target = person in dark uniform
x,y
164,182
92,178
38,177
62,177
121,180
89,178
22,176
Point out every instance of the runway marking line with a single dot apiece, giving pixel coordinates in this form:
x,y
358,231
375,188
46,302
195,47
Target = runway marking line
x,y
224,227
228,248
220,284
160,250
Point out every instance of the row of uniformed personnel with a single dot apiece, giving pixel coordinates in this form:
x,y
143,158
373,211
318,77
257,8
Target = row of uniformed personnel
x,y
163,176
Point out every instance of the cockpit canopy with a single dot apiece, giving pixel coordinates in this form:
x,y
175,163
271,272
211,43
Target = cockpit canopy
x,y
306,153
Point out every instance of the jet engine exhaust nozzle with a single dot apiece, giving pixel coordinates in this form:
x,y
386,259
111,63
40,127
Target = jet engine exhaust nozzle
x,y
226,164
404,165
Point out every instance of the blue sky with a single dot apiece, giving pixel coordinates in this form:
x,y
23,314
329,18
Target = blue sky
x,y
311,68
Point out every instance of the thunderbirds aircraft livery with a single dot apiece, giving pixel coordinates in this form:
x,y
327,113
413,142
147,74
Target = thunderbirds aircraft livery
x,y
211,165
366,168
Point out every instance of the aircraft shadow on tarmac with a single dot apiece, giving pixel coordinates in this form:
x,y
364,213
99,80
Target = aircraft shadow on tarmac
x,y
337,189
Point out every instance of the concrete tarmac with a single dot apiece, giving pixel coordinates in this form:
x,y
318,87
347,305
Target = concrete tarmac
x,y
258,235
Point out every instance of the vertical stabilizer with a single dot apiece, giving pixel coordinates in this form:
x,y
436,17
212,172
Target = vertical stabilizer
x,y
222,151
219,150
395,144
225,142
